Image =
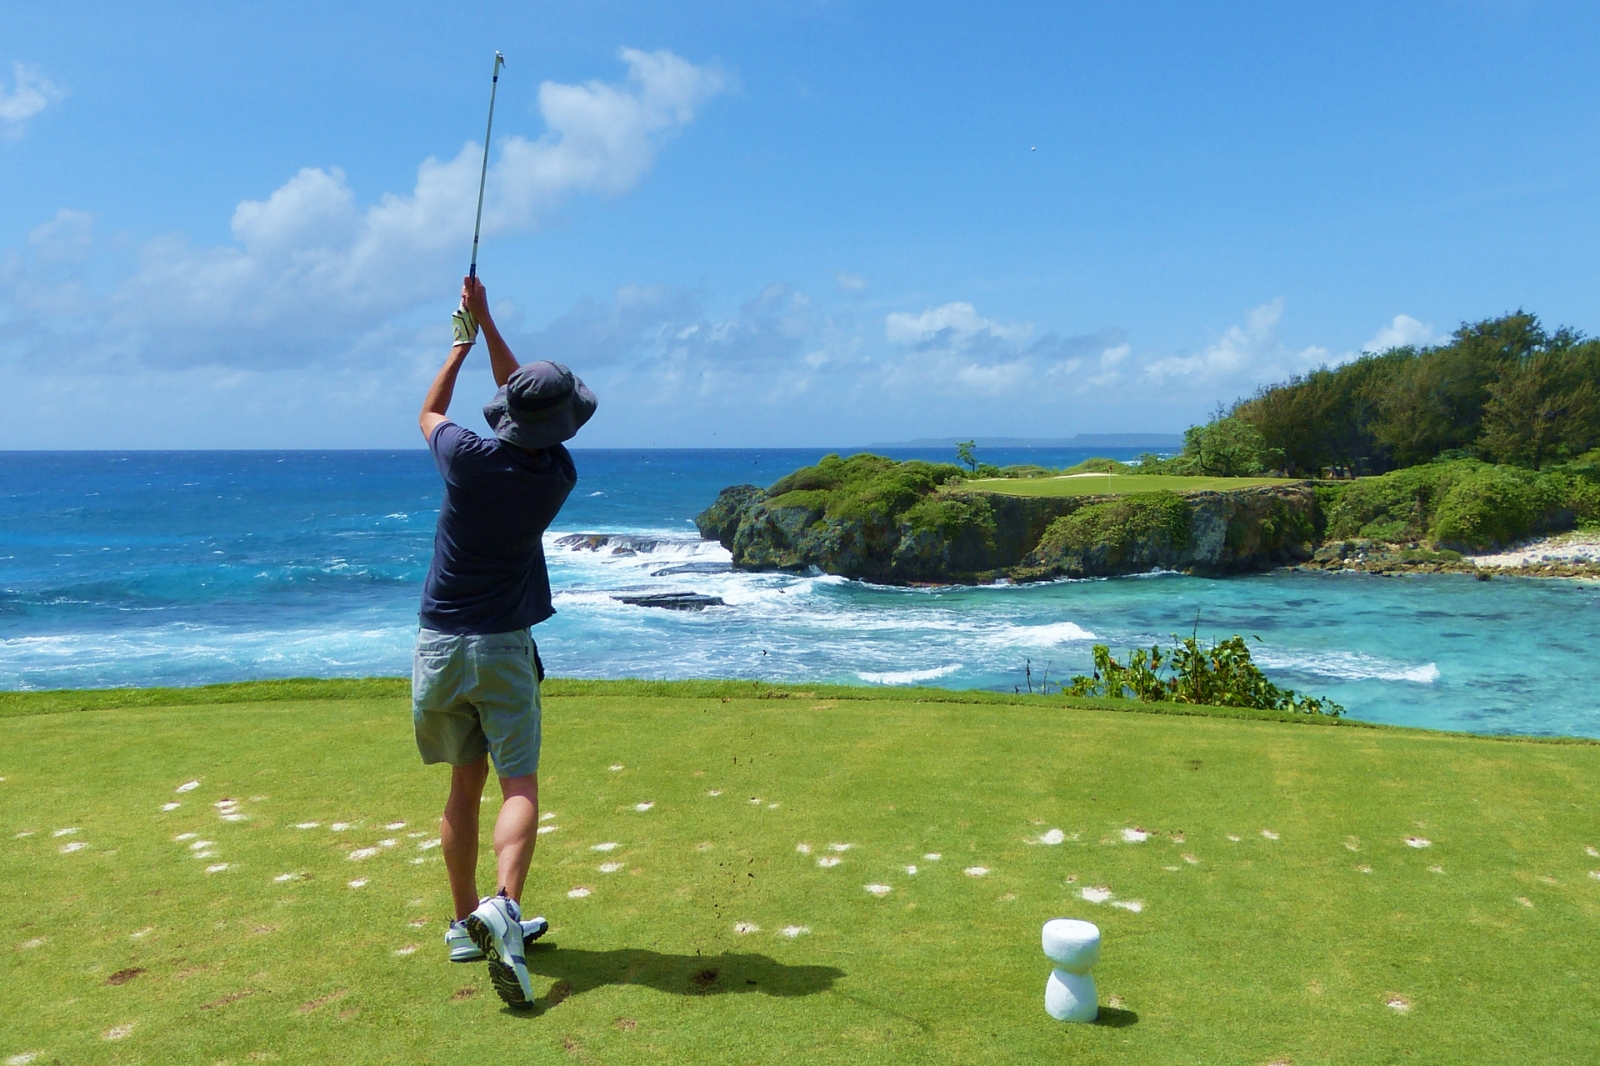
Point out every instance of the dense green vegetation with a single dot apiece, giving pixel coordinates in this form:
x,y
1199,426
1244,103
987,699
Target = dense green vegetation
x,y
1119,528
1222,674
1502,390
874,490
1462,504
1314,895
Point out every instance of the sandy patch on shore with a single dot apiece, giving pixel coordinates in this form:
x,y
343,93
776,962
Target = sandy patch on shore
x,y
1576,547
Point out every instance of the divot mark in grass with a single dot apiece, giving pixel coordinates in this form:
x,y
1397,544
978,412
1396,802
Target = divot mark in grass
x,y
225,804
772,806
235,816
68,831
1052,837
804,849
122,977
429,845
321,1001
140,934
1418,842
580,892
610,867
1547,879
976,871
216,868
281,878
21,1058
878,890
642,807
1595,874
394,825
1269,834
1592,851
26,833
387,843
933,856
1364,869
704,845
184,836
339,827
755,801
792,931
1133,905
1135,835
548,816
1525,901
1190,859
72,846
609,845
29,945
463,993
614,767
911,870
627,1025
543,829
840,847
714,792
829,860
1436,869
409,949
174,805
119,1032
746,927
1233,838
360,882
307,825
415,836
187,786
361,853
201,845
1352,844
1398,1004
1094,893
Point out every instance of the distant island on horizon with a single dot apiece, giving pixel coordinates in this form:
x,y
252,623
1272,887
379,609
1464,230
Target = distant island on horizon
x,y
1081,440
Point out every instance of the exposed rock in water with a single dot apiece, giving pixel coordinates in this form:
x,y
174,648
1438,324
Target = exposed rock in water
x,y
956,536
620,544
673,601
692,568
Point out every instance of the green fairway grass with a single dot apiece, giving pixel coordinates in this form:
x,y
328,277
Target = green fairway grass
x,y
1112,484
1282,915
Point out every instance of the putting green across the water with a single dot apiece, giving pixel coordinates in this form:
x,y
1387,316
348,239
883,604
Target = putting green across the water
x,y
1288,893
1112,484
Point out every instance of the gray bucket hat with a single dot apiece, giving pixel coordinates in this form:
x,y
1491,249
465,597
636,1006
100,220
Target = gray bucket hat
x,y
540,405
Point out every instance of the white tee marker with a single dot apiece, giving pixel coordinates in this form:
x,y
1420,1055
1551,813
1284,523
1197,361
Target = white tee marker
x,y
1074,947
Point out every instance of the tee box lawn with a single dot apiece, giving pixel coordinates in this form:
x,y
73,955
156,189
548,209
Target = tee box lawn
x,y
740,874
1112,484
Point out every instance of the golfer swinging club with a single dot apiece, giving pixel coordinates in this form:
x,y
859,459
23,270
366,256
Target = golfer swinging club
x,y
475,677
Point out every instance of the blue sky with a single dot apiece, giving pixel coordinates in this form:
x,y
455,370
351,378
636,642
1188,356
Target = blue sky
x,y
769,224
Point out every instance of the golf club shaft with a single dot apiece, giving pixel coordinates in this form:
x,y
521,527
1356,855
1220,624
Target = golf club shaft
x,y
483,174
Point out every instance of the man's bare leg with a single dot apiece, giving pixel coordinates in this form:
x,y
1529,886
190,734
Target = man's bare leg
x,y
515,832
458,834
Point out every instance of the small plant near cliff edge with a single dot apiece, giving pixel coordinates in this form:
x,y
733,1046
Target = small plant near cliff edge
x,y
1222,675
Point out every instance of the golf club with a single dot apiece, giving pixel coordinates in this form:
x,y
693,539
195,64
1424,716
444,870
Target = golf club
x,y
483,174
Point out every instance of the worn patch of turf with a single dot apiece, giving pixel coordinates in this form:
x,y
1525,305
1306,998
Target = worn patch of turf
x,y
1112,485
1319,935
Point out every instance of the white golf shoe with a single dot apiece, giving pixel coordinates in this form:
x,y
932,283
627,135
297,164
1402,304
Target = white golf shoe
x,y
462,949
496,928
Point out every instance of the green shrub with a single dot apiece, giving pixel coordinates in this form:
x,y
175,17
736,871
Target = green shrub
x,y
1222,675
865,486
950,516
1102,466
1119,526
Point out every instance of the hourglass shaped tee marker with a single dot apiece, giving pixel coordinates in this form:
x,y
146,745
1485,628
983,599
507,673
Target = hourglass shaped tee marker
x,y
1074,946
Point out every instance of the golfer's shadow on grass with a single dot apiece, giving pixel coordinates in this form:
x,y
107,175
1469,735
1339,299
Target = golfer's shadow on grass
x,y
577,971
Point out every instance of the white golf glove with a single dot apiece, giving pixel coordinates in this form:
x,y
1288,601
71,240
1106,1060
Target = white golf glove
x,y
464,326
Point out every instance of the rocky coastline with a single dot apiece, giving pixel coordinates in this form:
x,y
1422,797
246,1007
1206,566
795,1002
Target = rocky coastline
x,y
955,536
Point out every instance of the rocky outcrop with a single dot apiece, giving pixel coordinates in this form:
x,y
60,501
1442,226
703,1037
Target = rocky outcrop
x,y
955,536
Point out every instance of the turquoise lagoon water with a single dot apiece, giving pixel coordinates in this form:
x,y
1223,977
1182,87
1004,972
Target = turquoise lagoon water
x,y
173,568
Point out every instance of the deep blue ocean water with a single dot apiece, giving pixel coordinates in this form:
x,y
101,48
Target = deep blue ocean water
x,y
180,568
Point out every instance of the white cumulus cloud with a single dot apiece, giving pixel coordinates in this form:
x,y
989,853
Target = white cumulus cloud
x,y
1404,331
30,93
1244,354
311,274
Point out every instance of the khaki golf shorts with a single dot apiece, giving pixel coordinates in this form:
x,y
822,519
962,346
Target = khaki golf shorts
x,y
478,693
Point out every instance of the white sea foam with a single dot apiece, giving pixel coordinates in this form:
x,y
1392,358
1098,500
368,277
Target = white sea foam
x,y
906,677
1043,636
1347,666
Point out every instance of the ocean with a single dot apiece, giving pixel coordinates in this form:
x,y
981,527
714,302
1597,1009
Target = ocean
x,y
183,568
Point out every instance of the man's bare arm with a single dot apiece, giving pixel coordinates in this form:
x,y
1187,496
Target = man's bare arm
x,y
437,403
501,362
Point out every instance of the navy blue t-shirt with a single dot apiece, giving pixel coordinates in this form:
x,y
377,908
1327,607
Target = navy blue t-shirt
x,y
488,573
